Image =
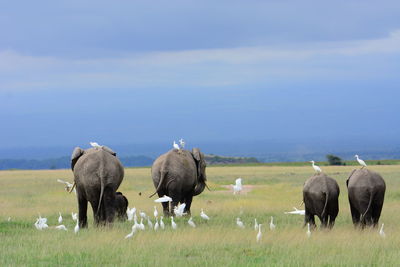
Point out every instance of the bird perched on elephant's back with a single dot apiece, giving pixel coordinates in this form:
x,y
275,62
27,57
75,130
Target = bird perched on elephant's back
x,y
179,174
98,174
366,191
321,199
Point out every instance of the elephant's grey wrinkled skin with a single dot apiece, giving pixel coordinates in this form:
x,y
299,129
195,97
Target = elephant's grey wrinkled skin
x,y
366,191
321,198
179,175
121,205
98,174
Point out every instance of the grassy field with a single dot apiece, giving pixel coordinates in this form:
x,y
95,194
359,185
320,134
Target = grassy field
x,y
25,194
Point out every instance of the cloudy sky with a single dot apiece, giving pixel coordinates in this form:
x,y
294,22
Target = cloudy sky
x,y
129,72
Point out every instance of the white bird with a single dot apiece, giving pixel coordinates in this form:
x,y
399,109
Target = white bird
x,y
155,213
259,235
308,230
76,229
255,224
271,224
94,144
162,225
237,188
163,199
182,143
61,227
142,214
135,223
203,215
9,219
316,168
191,222
74,216
176,146
381,232
41,223
156,225
179,210
130,213
59,218
130,234
239,223
141,225
296,211
362,163
173,224
68,185
149,223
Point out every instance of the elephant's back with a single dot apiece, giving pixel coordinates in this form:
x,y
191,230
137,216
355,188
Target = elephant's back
x,y
180,163
365,179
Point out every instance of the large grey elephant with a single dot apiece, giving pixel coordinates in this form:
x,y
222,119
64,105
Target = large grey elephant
x,y
366,195
321,198
179,174
98,174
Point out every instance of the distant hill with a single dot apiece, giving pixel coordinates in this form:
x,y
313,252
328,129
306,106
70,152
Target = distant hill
x,y
222,160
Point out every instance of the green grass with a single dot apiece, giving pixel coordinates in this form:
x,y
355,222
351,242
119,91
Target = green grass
x,y
25,194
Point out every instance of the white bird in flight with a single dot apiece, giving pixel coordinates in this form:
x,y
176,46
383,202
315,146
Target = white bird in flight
x,y
316,168
173,224
381,232
255,224
272,226
155,213
74,216
176,146
240,223
296,211
61,227
308,230
203,215
162,225
178,211
182,143
163,199
68,185
360,161
237,188
76,229
191,222
59,218
259,235
94,144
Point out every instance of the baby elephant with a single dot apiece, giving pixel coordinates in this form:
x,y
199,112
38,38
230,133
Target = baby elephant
x,y
121,205
321,198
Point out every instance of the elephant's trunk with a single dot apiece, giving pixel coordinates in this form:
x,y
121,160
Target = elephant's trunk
x,y
199,188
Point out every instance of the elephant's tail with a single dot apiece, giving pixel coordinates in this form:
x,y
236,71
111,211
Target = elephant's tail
x,y
163,174
326,204
369,206
101,195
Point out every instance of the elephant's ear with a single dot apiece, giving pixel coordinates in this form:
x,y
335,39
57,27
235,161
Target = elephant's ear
x,y
109,150
75,156
351,174
196,154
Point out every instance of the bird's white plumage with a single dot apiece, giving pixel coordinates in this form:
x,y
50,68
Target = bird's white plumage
x,y
162,225
173,224
76,228
149,223
360,161
141,225
60,218
381,232
272,226
316,168
74,216
255,224
156,225
239,223
155,213
203,215
191,223
143,214
296,211
182,143
237,187
308,230
259,234
165,198
130,213
178,210
41,223
61,227
176,146
68,185
94,144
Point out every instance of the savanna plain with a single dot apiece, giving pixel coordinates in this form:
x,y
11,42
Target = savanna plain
x,y
272,190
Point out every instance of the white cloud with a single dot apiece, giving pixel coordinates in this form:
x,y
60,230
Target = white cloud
x,y
211,67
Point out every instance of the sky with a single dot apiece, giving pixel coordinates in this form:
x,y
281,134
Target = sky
x,y
143,72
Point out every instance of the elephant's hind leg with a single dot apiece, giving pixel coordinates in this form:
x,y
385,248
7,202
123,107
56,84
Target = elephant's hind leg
x,y
82,203
109,204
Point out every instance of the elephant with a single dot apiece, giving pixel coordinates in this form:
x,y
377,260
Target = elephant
x,y
321,198
366,191
97,175
179,174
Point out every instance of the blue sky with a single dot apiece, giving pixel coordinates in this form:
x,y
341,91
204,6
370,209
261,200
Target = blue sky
x,y
126,72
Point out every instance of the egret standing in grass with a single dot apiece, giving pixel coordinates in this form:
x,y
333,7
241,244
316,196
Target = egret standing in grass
x,y
361,162
162,225
204,216
255,224
156,225
61,227
149,223
272,226
308,230
74,216
316,168
76,229
240,223
155,213
381,232
259,235
173,224
191,222
59,218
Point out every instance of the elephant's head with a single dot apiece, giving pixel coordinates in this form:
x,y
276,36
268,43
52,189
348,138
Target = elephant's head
x,y
76,155
121,205
201,171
